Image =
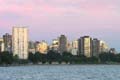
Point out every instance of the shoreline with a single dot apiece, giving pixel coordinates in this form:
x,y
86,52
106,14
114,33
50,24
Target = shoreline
x,y
19,65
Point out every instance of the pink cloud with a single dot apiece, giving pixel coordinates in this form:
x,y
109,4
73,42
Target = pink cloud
x,y
58,8
61,16
40,9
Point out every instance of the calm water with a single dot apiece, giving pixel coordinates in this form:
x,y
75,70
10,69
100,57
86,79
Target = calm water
x,y
61,72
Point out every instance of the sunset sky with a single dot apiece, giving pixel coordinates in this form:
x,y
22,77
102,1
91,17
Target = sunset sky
x,y
47,19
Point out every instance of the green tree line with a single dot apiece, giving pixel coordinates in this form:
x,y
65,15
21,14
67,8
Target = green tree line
x,y
66,57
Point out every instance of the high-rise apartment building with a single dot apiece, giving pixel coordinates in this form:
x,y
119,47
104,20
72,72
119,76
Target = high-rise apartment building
x,y
20,42
85,46
62,44
7,42
95,47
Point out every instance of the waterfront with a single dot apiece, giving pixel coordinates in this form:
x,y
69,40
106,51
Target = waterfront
x,y
61,72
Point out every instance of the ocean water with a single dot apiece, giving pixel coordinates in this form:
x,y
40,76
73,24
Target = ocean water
x,y
61,72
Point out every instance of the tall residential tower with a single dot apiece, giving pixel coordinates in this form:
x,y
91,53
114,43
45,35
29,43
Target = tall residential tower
x,y
95,47
85,46
20,42
62,44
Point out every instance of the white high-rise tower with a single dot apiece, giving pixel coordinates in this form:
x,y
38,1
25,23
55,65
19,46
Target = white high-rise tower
x,y
20,42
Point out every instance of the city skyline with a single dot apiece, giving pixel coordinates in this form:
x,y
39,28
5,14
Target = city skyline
x,y
49,19
69,40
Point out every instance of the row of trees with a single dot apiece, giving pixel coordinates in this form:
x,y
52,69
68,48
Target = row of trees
x,y
66,57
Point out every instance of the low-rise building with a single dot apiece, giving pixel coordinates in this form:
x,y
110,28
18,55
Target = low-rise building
x,y
103,47
55,45
32,47
42,47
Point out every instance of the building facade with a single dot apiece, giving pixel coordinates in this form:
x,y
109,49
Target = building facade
x,y
113,51
74,47
103,47
20,42
85,46
42,47
1,45
95,47
69,46
7,42
62,44
32,47
55,45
